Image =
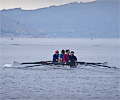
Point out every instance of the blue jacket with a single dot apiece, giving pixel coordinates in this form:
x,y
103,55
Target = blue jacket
x,y
55,57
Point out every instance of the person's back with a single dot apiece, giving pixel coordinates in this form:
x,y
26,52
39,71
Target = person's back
x,y
55,56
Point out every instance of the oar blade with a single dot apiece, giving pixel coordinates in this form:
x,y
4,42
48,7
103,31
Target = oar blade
x,y
15,63
105,64
7,65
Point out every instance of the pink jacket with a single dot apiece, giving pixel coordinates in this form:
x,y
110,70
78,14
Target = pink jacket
x,y
65,57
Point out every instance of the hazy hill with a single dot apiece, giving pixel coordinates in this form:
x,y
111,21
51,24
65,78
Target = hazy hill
x,y
10,27
96,19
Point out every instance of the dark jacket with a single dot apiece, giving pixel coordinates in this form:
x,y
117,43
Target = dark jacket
x,y
55,57
72,60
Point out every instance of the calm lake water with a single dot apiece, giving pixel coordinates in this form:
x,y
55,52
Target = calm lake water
x,y
43,83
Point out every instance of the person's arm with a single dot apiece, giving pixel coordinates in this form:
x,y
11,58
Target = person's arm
x,y
54,58
75,58
59,58
69,58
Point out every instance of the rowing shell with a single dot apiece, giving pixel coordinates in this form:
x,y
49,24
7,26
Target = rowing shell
x,y
55,65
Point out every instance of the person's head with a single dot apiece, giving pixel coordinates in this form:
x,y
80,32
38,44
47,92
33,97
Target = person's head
x,y
63,51
72,53
57,52
67,51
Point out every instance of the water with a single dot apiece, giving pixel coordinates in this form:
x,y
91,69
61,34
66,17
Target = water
x,y
42,83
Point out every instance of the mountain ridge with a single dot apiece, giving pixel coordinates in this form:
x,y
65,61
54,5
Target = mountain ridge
x,y
97,19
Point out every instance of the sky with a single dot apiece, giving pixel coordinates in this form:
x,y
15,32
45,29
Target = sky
x,y
35,4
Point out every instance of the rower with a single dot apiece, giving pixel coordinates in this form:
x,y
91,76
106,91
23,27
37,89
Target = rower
x,y
55,56
72,59
66,56
60,57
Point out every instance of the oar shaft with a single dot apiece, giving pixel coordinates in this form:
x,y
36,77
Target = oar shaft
x,y
105,66
41,62
88,63
30,63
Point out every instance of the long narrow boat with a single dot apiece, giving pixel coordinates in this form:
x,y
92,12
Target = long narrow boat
x,y
58,65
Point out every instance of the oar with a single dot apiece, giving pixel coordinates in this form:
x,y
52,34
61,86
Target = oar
x,y
32,66
23,63
90,63
105,64
15,63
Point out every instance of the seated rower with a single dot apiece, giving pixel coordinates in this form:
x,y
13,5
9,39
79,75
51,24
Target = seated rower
x,y
55,56
60,57
66,56
72,59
